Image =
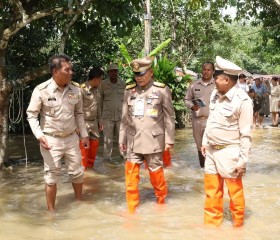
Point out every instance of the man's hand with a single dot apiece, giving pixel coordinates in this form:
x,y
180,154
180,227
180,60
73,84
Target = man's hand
x,y
85,142
203,150
240,172
122,147
168,146
100,127
195,107
44,143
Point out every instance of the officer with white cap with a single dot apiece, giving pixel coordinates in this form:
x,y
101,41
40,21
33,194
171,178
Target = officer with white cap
x,y
147,129
227,141
112,91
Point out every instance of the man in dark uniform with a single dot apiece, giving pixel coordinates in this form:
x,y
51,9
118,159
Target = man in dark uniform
x,y
147,129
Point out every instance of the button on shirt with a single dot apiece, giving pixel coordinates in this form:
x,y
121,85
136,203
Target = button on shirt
x,y
230,121
60,110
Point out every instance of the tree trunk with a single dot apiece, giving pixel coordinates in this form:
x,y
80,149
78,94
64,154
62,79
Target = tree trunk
x,y
4,106
147,22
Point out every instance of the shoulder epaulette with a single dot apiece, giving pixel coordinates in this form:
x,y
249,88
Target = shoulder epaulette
x,y
75,84
159,84
43,85
242,95
83,85
130,86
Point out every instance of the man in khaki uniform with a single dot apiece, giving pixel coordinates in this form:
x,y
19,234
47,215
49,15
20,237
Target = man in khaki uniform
x,y
226,143
59,104
92,115
112,91
200,89
147,129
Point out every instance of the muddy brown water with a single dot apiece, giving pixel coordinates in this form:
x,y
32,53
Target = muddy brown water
x,y
102,215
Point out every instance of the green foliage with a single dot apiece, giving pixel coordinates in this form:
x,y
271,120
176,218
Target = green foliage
x,y
125,70
164,71
125,53
158,49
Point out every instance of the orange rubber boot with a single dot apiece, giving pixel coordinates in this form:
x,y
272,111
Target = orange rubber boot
x,y
84,152
213,208
166,158
132,179
93,148
237,201
158,181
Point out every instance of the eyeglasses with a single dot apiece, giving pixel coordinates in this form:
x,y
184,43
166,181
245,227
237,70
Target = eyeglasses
x,y
139,73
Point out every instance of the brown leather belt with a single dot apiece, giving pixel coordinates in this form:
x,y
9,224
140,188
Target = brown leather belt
x,y
60,135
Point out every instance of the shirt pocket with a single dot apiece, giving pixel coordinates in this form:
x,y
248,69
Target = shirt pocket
x,y
51,108
107,95
154,103
158,130
227,117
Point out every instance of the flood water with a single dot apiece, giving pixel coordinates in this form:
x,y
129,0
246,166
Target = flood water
x,y
102,215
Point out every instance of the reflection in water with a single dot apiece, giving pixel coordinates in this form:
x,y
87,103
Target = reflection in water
x,y
102,215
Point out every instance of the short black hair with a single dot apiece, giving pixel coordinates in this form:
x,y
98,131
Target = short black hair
x,y
56,60
242,75
251,90
95,73
209,63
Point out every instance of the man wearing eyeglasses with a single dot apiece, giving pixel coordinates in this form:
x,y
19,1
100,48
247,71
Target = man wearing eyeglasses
x,y
147,129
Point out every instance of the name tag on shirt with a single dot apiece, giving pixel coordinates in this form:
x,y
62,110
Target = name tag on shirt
x,y
139,107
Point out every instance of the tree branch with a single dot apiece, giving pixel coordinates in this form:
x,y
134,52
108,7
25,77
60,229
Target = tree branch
x,y
9,32
65,31
29,76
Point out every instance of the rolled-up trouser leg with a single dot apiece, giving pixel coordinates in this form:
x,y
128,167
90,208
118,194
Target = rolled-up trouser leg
x,y
237,201
132,179
213,208
158,181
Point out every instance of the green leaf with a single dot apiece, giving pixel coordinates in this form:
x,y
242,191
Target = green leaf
x,y
125,53
159,47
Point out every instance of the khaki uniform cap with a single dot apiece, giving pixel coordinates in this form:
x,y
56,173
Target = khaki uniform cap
x,y
227,67
141,64
112,66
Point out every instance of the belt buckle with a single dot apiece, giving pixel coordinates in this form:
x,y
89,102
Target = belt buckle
x,y
62,135
218,147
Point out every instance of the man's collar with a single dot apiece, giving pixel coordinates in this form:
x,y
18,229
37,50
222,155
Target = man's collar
x,y
211,81
230,93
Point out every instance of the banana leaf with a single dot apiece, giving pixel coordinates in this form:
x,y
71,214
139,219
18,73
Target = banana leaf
x,y
125,53
159,47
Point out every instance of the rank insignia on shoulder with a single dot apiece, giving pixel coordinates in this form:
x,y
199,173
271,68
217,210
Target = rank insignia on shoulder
x,y
130,86
44,85
75,84
159,84
83,85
